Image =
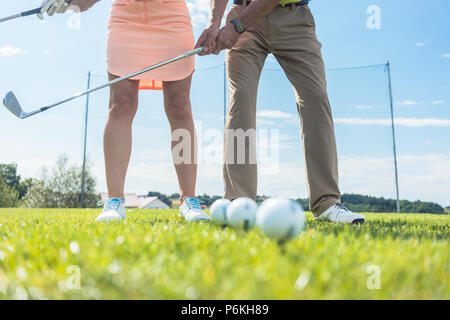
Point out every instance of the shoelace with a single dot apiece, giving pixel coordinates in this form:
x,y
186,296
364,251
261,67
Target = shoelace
x,y
111,204
192,203
341,206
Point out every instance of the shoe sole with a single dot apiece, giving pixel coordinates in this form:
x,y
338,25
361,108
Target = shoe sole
x,y
358,221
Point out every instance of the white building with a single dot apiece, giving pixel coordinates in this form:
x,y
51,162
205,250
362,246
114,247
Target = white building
x,y
132,200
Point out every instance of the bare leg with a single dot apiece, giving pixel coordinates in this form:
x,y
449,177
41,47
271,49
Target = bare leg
x,y
117,136
177,105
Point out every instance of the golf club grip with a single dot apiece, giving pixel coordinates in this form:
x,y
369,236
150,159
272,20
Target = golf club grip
x,y
31,12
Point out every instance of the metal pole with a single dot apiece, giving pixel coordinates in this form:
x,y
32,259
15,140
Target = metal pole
x,y
83,173
388,66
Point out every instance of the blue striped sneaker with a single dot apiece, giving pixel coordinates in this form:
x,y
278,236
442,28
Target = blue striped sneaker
x,y
191,210
114,210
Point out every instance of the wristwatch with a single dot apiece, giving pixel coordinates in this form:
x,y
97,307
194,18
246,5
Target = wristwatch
x,y
238,26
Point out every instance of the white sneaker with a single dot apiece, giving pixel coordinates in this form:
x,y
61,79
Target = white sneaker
x,y
340,214
114,210
191,211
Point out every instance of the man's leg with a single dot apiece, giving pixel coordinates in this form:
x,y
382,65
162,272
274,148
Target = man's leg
x,y
299,53
244,64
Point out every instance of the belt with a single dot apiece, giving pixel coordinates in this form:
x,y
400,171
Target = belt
x,y
292,4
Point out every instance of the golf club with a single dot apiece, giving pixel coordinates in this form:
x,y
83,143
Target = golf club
x,y
22,14
12,104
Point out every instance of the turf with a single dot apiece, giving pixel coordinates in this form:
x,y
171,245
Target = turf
x,y
155,255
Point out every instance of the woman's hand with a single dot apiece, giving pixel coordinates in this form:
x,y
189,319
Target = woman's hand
x,y
60,6
52,6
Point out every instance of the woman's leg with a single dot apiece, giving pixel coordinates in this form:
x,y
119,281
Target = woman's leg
x,y
117,136
177,104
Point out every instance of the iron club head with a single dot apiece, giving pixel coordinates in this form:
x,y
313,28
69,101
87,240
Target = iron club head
x,y
12,104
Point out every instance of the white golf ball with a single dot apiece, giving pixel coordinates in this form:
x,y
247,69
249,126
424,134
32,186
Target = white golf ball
x,y
242,213
219,211
280,218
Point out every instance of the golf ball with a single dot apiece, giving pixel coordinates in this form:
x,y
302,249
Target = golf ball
x,y
219,211
281,219
242,213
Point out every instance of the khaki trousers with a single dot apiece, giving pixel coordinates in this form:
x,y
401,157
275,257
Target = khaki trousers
x,y
290,35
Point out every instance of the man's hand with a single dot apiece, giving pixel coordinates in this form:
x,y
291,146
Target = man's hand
x,y
228,36
83,5
208,39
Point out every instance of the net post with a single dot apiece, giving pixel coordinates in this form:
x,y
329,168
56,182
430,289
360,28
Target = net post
x,y
83,172
391,100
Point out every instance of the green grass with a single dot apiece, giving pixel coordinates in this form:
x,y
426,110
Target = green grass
x,y
155,255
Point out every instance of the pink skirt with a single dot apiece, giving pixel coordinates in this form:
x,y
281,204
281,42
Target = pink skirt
x,y
144,33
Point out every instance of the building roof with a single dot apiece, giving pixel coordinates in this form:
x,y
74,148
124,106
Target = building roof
x,y
145,201
132,200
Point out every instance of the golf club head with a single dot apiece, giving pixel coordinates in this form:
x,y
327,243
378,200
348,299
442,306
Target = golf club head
x,y
12,104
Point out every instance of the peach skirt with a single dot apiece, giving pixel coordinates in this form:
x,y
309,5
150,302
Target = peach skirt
x,y
143,33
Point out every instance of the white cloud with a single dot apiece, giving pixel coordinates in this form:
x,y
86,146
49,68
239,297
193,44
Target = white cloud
x,y
10,51
200,11
446,55
372,176
265,122
407,103
275,114
438,102
295,121
422,44
364,107
367,175
406,122
199,19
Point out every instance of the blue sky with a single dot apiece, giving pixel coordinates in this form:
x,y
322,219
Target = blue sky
x,y
44,62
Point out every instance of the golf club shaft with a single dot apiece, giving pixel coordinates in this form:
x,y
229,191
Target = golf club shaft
x,y
110,83
23,14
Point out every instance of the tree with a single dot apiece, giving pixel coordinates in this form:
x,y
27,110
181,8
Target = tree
x,y
208,200
304,203
23,187
8,195
60,187
361,203
8,173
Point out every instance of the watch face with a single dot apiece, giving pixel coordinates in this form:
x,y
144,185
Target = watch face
x,y
240,27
